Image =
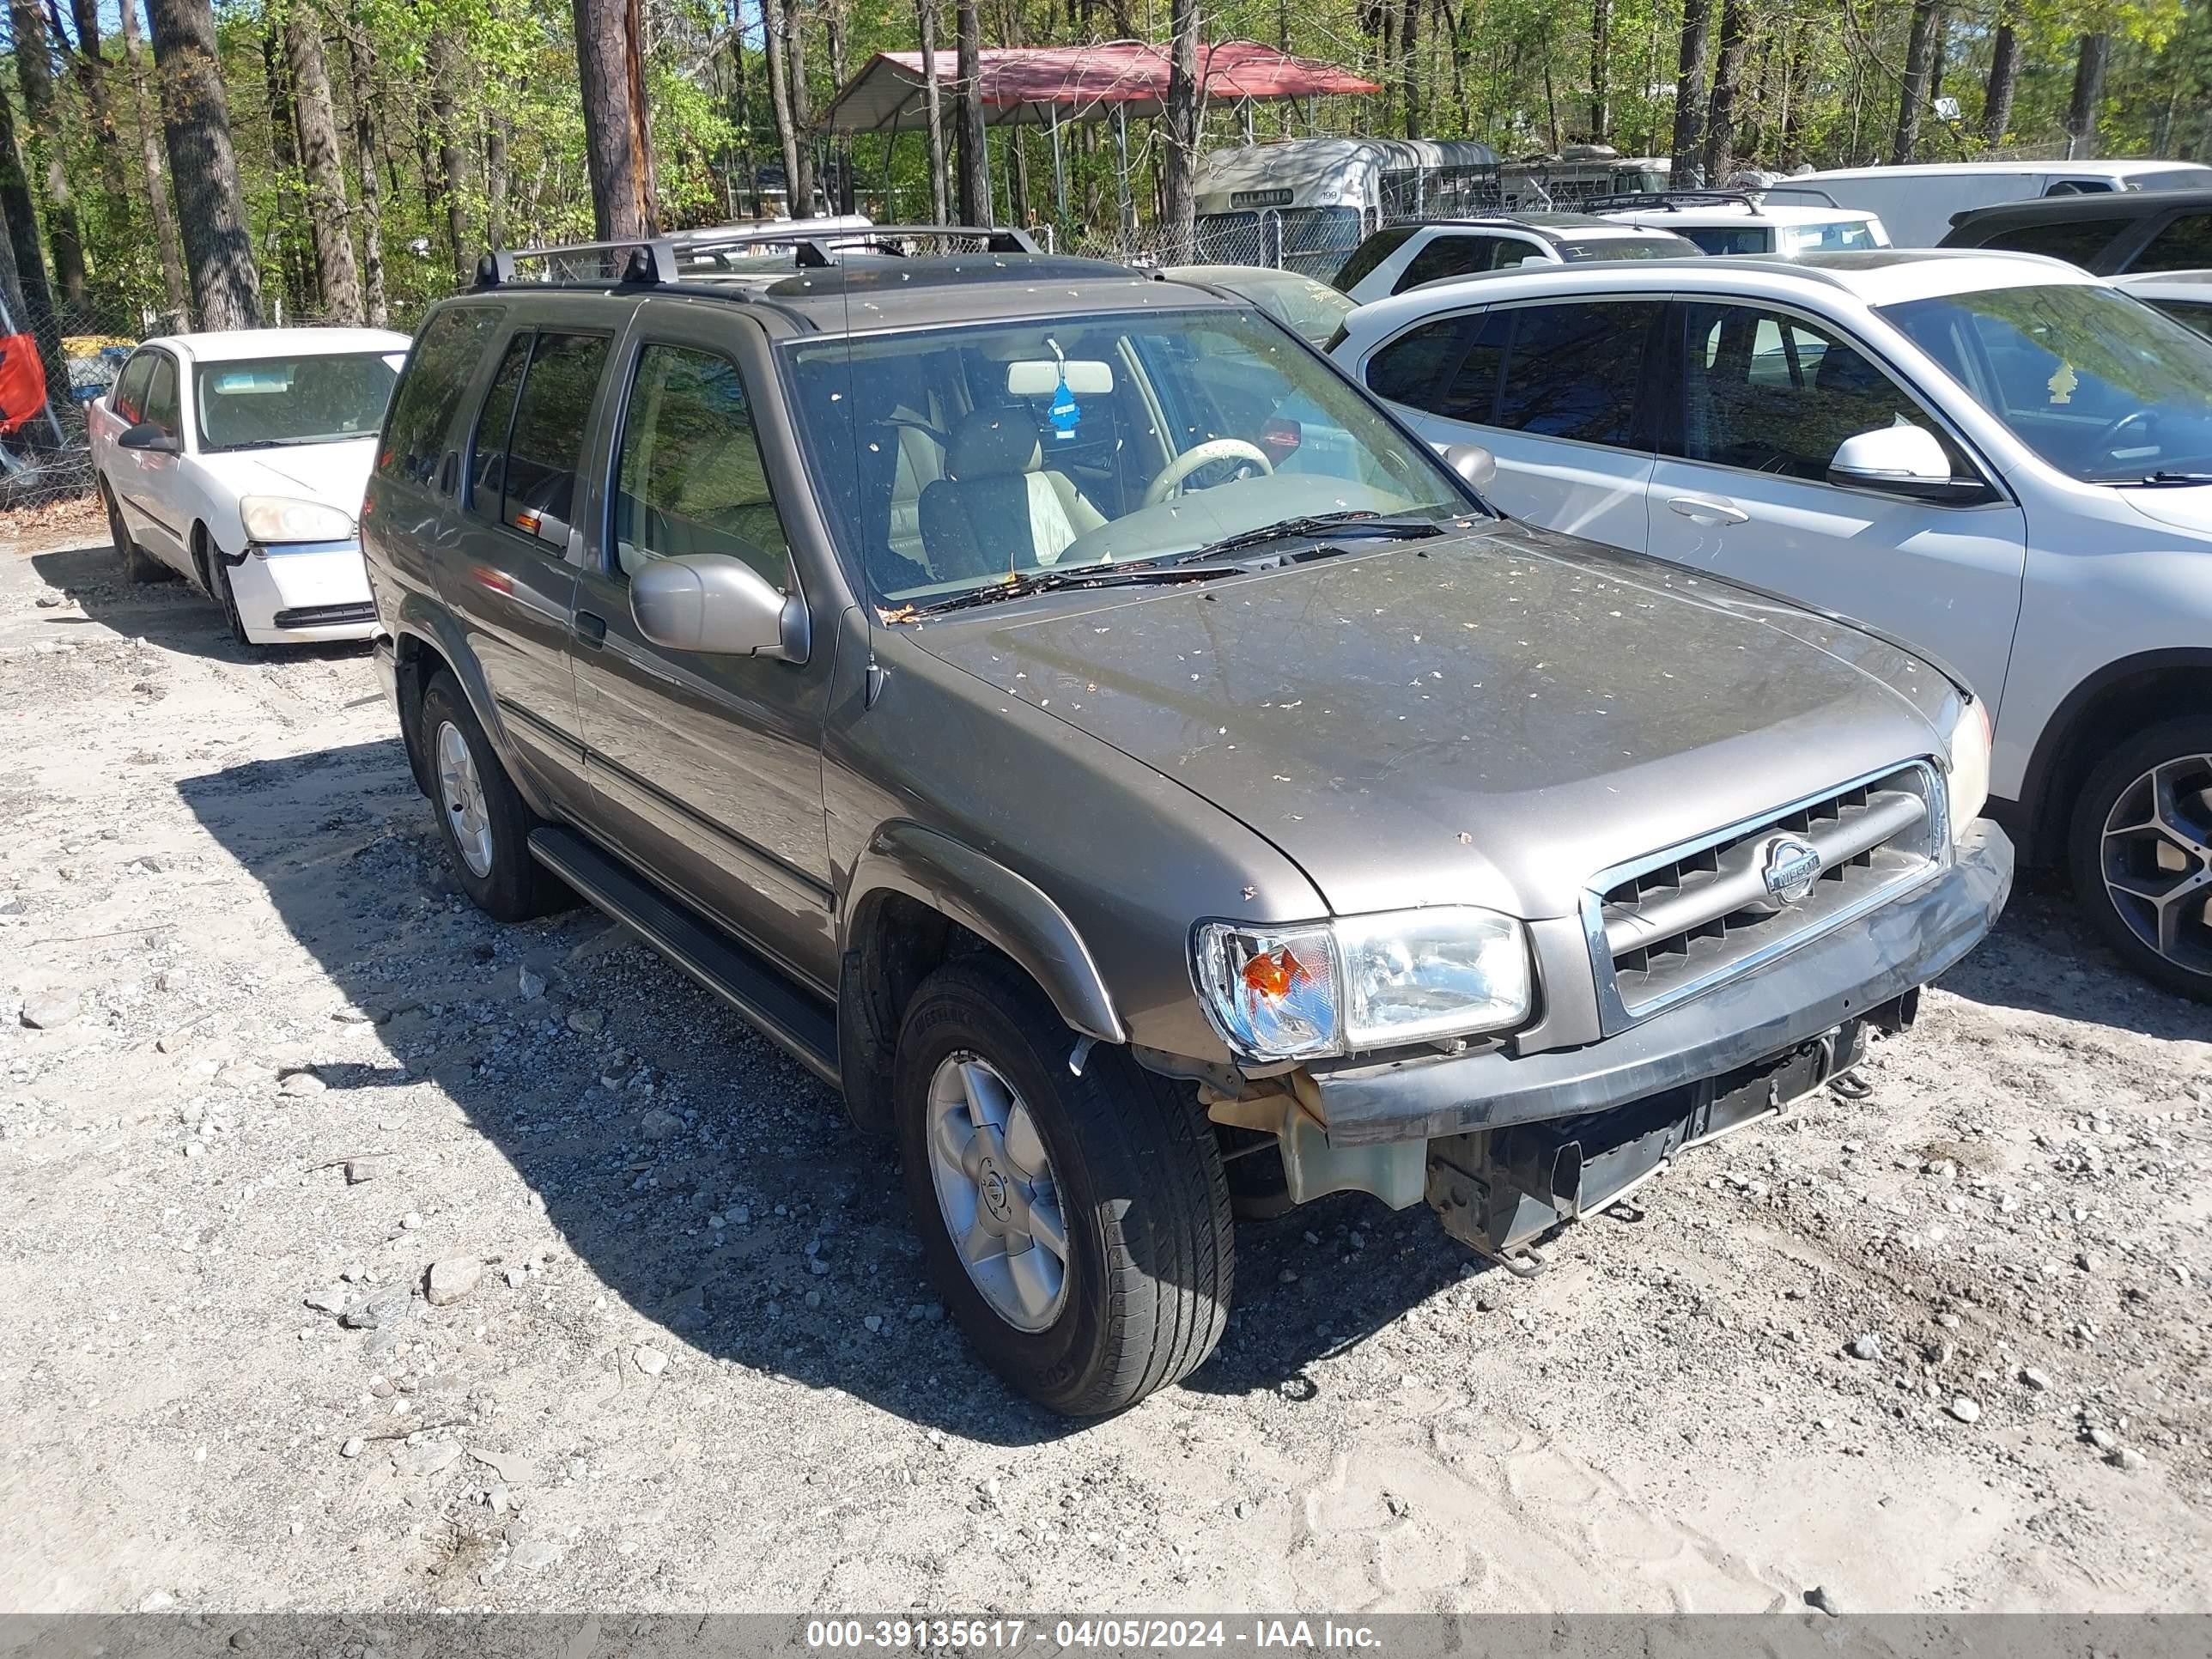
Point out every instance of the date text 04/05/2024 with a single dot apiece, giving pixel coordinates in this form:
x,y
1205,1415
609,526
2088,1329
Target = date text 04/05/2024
x,y
1285,1635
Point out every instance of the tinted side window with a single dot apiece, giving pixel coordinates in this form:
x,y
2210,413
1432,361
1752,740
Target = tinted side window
x,y
488,450
690,478
547,441
161,395
1447,256
430,390
1372,253
2076,240
129,400
1407,370
1772,394
1573,370
2185,245
1471,393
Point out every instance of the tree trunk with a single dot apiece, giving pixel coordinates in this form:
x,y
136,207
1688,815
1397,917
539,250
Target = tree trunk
x,y
2003,83
801,183
321,167
932,112
296,275
361,65
450,176
34,72
157,182
779,96
1409,65
499,128
974,175
1728,77
1601,76
1913,95
617,141
92,72
1185,119
2088,93
1690,92
834,23
195,118
748,165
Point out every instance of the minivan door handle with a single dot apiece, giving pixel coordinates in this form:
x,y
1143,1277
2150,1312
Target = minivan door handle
x,y
1708,509
591,629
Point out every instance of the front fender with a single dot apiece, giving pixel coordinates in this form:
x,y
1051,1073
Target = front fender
x,y
1006,909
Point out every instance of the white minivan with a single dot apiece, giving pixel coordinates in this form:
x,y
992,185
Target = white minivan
x,y
1917,204
1994,457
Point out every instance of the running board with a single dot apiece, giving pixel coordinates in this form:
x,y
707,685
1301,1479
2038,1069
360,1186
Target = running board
x,y
792,1017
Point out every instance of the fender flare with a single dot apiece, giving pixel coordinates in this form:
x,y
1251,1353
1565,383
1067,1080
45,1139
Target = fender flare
x,y
424,619
2042,813
1007,911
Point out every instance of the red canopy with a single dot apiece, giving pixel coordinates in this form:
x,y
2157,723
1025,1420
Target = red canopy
x,y
1039,85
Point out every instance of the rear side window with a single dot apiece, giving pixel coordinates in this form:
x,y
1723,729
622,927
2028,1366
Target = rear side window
x,y
2077,241
1720,238
545,441
1448,256
1372,253
130,398
2185,245
488,453
430,390
1572,371
1407,369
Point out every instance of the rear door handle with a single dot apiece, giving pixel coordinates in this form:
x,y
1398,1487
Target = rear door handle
x,y
1708,509
591,629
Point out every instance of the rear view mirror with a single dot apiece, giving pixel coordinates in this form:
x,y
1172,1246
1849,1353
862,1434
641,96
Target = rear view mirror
x,y
712,603
1040,377
1474,463
1904,460
150,438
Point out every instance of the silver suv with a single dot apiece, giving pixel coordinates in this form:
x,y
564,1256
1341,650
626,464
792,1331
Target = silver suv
x,y
1135,770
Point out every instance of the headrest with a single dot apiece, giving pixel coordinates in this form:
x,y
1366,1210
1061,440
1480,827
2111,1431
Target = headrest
x,y
993,443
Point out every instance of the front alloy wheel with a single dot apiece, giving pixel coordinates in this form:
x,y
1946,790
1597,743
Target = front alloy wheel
x,y
995,1191
2142,852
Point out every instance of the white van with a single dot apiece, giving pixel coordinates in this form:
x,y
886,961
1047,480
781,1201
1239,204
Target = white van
x,y
1916,203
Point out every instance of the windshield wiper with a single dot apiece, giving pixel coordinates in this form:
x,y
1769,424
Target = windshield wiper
x,y
1046,581
287,443
2166,477
1337,527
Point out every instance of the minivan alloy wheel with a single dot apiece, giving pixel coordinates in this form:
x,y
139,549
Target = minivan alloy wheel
x,y
995,1189
2157,860
461,793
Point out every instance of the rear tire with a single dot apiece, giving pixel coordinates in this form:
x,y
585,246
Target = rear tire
x,y
1131,1174
137,566
485,821
2141,851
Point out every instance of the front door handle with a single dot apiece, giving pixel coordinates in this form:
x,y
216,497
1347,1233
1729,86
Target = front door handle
x,y
1708,509
591,629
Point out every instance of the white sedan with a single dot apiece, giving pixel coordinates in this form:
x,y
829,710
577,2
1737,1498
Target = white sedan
x,y
239,459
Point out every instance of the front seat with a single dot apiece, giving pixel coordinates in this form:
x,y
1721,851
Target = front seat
x,y
997,508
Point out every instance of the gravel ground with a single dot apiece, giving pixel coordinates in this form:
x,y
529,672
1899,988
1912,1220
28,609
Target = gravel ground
x,y
367,1255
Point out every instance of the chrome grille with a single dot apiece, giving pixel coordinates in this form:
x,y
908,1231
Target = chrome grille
x,y
1675,923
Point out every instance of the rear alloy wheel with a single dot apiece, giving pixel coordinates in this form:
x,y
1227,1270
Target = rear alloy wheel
x,y
485,821
1078,1227
2143,854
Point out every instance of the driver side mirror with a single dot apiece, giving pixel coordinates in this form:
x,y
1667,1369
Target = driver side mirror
x,y
150,438
1901,460
712,603
1474,463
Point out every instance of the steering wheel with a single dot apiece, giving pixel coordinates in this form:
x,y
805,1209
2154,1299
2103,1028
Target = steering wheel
x,y
2108,440
1170,476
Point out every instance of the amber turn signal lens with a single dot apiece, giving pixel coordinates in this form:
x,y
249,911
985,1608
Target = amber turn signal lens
x,y
1271,973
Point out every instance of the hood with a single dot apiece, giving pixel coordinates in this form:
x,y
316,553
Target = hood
x,y
1487,719
2185,507
336,475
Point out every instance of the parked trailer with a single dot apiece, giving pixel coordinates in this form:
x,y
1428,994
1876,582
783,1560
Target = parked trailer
x,y
1303,204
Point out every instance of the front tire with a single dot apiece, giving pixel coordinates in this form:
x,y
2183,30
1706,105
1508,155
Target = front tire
x,y
219,585
2141,848
1078,1227
485,821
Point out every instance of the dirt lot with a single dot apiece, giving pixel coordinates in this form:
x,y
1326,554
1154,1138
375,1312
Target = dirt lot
x,y
260,1068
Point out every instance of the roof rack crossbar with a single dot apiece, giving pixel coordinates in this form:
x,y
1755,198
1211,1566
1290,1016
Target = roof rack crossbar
x,y
1826,200
1670,201
654,260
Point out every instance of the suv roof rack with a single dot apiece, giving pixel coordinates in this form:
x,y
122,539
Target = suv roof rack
x,y
652,260
1671,201
1785,186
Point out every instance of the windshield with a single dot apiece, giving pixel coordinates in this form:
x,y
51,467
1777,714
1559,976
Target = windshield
x,y
953,458
1303,306
1574,251
293,400
2100,385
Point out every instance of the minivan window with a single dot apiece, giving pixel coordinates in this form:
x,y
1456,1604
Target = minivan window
x,y
689,479
2185,245
2077,241
431,388
2102,387
1770,392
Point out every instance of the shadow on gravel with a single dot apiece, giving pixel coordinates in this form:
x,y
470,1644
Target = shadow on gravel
x,y
173,613
2043,959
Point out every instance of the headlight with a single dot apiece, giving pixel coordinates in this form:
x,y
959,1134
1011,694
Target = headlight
x,y
1364,983
283,519
1968,783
